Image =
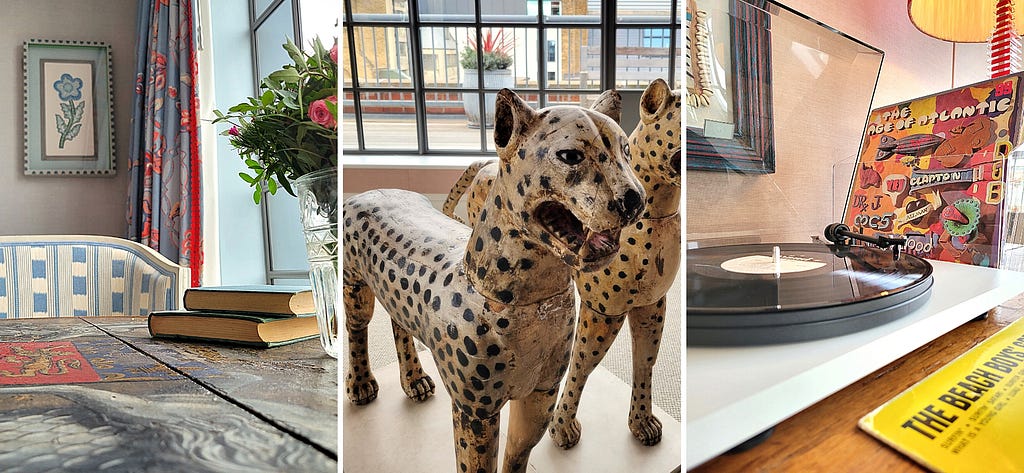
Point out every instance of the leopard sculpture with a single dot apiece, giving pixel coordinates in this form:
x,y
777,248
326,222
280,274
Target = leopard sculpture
x,y
494,303
635,284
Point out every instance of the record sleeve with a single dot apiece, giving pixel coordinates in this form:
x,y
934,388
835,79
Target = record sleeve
x,y
935,170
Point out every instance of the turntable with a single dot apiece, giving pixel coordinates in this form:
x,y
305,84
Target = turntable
x,y
777,322
760,294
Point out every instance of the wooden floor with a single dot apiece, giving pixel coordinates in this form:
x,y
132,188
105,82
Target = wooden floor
x,y
825,436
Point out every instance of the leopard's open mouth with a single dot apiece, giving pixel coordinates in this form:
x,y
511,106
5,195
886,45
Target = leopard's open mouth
x,y
593,247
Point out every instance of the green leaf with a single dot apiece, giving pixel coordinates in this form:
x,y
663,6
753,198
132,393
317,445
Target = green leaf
x,y
79,112
256,195
252,163
247,178
219,115
60,124
272,186
295,54
267,98
66,107
242,108
290,101
74,131
287,75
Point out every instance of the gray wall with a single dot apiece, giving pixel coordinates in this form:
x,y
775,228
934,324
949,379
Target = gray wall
x,y
87,205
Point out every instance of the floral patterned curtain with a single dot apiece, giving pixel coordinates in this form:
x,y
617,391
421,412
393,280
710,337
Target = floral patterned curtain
x,y
164,200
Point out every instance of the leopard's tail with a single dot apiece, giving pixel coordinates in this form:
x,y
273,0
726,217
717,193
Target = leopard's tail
x,y
459,189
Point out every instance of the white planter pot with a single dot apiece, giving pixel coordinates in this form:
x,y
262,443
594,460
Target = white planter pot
x,y
494,79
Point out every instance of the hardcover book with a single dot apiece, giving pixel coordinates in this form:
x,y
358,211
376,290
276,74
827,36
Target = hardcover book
x,y
246,329
264,300
933,169
965,417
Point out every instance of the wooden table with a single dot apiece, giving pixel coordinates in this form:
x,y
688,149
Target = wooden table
x,y
825,436
98,394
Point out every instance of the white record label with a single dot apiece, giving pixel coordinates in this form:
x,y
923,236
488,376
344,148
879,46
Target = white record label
x,y
761,264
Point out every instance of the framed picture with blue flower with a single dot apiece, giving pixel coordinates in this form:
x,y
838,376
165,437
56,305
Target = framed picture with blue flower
x,y
68,115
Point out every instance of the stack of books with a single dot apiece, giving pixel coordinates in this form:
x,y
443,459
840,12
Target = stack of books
x,y
255,315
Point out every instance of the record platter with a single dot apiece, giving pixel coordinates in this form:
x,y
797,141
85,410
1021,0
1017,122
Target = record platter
x,y
789,292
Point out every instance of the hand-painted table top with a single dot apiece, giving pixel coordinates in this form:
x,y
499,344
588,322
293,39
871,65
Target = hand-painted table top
x,y
98,394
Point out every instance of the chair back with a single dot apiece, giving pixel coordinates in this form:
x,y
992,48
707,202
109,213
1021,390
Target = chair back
x,y
85,275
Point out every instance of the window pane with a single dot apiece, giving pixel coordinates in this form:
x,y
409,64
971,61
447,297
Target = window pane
x,y
647,11
262,5
577,61
447,125
349,141
678,83
345,63
447,10
389,120
441,55
287,245
270,35
319,18
641,55
383,57
376,10
508,12
290,282
583,98
574,11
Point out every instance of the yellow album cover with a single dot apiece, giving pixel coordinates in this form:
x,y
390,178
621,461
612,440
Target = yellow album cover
x,y
932,169
968,416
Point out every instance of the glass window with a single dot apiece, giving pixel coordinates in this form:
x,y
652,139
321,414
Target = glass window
x,y
655,38
641,55
550,51
319,18
270,35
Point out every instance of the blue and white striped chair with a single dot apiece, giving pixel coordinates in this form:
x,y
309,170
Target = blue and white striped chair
x,y
85,275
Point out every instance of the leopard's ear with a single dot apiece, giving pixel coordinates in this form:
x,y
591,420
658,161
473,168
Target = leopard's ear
x,y
513,118
654,99
610,104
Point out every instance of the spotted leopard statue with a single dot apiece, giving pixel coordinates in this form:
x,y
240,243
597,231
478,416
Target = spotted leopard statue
x,y
634,286
494,303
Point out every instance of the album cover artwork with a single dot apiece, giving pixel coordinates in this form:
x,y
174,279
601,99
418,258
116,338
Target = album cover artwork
x,y
933,169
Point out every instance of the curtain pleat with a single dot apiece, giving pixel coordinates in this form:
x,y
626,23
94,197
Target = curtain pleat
x,y
164,196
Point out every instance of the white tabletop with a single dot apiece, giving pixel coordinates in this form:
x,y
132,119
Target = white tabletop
x,y
735,393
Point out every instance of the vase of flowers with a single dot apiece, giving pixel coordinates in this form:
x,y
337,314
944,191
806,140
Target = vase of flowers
x,y
496,49
288,138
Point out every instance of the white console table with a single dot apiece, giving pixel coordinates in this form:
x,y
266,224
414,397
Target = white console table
x,y
735,393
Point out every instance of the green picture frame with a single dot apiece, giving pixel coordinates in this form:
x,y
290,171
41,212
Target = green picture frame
x,y
68,108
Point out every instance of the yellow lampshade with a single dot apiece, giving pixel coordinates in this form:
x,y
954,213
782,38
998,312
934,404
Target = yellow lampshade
x,y
962,21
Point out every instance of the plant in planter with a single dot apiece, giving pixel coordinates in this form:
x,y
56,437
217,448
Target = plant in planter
x,y
494,55
291,129
288,137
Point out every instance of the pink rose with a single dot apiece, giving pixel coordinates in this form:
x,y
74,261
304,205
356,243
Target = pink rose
x,y
233,131
334,53
320,115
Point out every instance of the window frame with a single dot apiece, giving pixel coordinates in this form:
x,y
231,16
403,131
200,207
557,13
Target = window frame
x,y
608,24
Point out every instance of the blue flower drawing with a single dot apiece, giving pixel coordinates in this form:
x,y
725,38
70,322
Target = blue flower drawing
x,y
69,89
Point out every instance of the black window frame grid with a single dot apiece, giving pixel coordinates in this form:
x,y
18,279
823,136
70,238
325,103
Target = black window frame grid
x,y
608,24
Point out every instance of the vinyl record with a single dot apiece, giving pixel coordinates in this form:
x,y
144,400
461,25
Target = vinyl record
x,y
743,294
